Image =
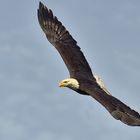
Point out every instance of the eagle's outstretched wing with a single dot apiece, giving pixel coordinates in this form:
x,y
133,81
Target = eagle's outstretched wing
x,y
117,109
59,37
79,68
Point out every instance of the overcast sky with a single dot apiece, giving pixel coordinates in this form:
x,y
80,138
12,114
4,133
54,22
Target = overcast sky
x,y
32,106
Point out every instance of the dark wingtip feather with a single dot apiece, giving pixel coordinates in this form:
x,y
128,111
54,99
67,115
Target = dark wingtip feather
x,y
50,13
44,11
40,4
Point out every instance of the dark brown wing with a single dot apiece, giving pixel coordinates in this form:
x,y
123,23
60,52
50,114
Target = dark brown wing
x,y
117,109
59,37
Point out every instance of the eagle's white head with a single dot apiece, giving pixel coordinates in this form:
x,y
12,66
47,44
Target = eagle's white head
x,y
70,83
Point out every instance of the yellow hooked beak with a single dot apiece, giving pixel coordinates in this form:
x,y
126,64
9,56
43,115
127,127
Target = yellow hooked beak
x,y
61,84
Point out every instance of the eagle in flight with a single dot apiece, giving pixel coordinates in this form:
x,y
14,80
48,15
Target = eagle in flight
x,y
81,78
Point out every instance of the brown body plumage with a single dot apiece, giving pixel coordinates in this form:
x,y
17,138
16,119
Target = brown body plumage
x,y
81,78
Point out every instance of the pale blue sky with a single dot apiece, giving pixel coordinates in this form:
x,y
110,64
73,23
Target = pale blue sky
x,y
32,106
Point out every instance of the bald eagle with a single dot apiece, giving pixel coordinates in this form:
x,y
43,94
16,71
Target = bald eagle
x,y
81,78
